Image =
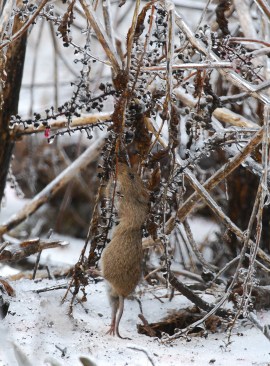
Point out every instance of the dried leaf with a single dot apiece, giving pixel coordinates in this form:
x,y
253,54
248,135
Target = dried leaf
x,y
154,180
7,287
64,27
221,19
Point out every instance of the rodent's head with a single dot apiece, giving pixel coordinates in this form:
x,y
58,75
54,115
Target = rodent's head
x,y
130,184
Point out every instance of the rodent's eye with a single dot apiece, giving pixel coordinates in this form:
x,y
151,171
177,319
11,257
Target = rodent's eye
x,y
132,176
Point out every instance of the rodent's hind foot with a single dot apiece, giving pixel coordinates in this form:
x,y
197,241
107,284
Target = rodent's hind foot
x,y
113,330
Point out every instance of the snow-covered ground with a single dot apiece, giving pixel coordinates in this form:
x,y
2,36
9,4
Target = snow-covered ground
x,y
38,327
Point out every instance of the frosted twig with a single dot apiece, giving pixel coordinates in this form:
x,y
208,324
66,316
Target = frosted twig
x,y
197,66
219,213
248,40
101,35
190,295
131,33
265,329
137,348
6,16
195,248
217,177
106,7
245,18
26,25
184,331
15,252
264,7
233,261
226,267
86,120
222,114
231,76
188,274
195,4
90,154
203,193
242,96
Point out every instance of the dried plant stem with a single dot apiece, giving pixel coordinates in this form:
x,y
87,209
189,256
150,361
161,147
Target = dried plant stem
x,y
197,66
222,114
231,76
33,74
5,16
203,193
131,34
16,252
258,211
25,26
218,177
195,248
245,18
265,329
87,156
146,352
219,213
86,120
178,285
101,35
169,55
36,265
106,7
264,7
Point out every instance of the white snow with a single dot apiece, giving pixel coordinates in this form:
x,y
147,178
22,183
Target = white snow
x,y
37,323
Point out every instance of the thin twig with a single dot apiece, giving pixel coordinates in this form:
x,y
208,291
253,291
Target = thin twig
x,y
24,28
86,120
131,33
36,265
264,7
216,178
137,348
15,252
265,329
197,66
203,193
195,248
85,158
101,35
231,76
190,295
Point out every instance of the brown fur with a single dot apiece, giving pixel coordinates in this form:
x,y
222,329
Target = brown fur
x,y
121,260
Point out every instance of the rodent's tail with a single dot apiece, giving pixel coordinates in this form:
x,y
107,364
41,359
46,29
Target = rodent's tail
x,y
119,315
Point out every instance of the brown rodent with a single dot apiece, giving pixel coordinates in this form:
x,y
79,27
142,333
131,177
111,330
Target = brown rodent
x,y
121,260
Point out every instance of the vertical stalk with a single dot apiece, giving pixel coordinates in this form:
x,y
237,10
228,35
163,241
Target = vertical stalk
x,y
13,72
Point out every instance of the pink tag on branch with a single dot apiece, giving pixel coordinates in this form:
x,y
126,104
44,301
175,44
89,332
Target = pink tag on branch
x,y
47,132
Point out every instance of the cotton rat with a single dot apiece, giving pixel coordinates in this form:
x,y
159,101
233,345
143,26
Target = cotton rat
x,y
121,260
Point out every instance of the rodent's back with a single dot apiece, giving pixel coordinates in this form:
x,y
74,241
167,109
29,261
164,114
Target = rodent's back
x,y
121,261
